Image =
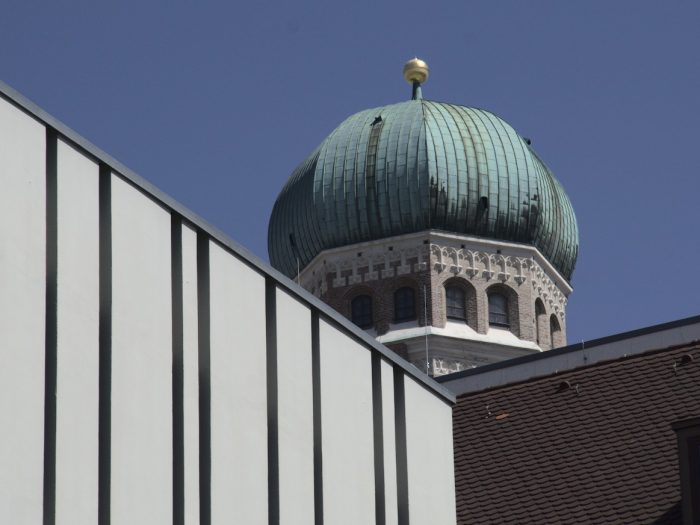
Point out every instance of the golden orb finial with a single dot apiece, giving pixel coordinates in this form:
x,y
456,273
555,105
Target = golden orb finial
x,y
415,70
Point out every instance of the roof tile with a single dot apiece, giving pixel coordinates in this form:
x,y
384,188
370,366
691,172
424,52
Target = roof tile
x,y
604,454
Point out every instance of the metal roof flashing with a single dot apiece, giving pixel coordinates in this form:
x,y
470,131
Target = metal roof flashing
x,y
634,342
34,111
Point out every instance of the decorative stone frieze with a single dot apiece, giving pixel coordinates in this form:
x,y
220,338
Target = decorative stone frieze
x,y
426,262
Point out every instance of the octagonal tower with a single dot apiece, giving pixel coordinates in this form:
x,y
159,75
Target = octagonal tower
x,y
437,228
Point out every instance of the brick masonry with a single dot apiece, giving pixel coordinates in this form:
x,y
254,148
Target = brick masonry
x,y
431,261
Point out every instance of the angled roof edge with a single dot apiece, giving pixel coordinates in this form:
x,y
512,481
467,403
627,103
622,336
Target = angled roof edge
x,y
634,342
29,107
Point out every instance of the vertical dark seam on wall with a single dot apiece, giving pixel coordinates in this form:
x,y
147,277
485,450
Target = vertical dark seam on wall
x,y
203,315
377,412
373,205
272,406
401,453
318,441
178,395
50,342
105,346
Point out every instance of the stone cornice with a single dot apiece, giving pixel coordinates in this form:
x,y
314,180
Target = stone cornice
x,y
471,257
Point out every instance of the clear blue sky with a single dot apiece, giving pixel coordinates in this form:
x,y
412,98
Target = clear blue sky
x,y
216,103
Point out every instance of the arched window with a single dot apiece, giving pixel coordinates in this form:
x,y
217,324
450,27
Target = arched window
x,y
361,311
404,304
555,332
456,303
498,310
540,321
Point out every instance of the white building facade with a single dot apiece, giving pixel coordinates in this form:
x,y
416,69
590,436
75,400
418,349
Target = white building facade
x,y
155,372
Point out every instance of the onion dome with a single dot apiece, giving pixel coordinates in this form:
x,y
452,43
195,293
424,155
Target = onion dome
x,y
420,165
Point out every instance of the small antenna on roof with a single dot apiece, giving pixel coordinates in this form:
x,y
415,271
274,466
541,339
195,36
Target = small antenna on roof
x,y
425,316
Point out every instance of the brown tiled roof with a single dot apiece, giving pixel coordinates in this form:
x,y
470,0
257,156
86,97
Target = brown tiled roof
x,y
591,445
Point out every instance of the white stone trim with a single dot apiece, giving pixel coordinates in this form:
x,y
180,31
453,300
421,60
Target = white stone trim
x,y
459,331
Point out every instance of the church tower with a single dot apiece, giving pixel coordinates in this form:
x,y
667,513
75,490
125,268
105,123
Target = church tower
x,y
436,228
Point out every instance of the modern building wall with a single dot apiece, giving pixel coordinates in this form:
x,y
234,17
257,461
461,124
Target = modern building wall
x,y
22,314
78,303
154,372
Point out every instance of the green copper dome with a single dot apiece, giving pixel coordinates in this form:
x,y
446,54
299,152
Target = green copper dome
x,y
421,165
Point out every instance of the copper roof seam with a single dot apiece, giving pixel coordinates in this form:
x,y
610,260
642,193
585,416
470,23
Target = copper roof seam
x,y
361,181
413,173
495,197
300,214
402,187
512,176
452,165
350,184
471,179
337,179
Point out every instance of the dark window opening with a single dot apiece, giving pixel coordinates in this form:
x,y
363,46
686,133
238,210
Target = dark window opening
x,y
498,310
361,311
404,304
694,475
688,434
539,314
554,332
456,303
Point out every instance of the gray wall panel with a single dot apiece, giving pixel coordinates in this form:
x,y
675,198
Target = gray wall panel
x,y
141,483
295,411
77,386
431,483
389,430
238,391
22,313
347,426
